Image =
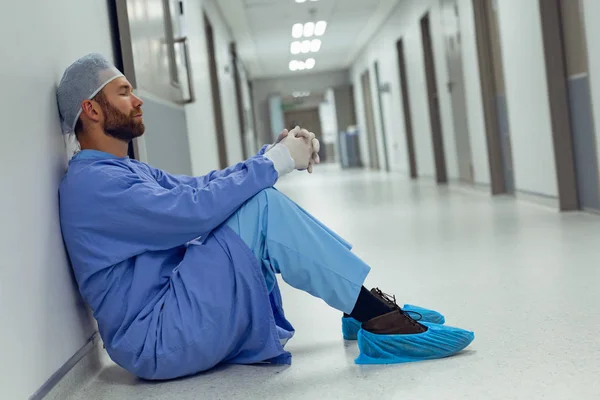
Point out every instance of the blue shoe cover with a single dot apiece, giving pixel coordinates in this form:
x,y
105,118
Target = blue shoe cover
x,y
427,315
438,342
350,326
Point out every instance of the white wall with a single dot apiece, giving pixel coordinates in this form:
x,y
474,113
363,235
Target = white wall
x,y
43,321
404,23
200,115
263,88
527,97
591,8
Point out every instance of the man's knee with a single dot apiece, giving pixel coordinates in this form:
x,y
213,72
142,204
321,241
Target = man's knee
x,y
273,197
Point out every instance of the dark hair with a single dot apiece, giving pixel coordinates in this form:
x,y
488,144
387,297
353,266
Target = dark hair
x,y
79,125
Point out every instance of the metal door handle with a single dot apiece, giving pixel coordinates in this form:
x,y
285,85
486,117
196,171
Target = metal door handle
x,y
170,41
188,68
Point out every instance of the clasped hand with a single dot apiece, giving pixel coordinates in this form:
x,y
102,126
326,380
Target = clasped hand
x,y
303,147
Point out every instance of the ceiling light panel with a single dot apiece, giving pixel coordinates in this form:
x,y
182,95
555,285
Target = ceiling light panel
x,y
297,31
320,28
309,29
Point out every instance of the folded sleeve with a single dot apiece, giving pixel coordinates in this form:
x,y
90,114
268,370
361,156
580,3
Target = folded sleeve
x,y
171,181
155,217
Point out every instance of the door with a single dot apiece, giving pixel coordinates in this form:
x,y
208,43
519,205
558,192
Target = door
x,y
408,127
434,105
580,104
495,111
381,116
370,121
553,36
216,93
238,97
456,87
500,96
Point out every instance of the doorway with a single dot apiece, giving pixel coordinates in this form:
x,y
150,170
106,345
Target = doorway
x,y
370,121
434,105
493,96
216,93
456,88
408,126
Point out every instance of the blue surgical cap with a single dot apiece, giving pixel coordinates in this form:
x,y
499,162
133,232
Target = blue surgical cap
x,y
83,80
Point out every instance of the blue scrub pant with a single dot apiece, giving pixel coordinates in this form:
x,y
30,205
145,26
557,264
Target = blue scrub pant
x,y
288,241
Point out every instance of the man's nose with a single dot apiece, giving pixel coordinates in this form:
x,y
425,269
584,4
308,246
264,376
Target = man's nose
x,y
137,102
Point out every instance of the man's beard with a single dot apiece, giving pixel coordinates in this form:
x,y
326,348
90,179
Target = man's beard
x,y
119,125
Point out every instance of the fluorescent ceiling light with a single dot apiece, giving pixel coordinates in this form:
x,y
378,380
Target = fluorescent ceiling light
x,y
300,1
293,65
310,63
315,45
301,94
296,47
297,31
320,28
309,29
306,46
301,65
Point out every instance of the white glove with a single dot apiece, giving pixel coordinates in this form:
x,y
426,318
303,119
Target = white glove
x,y
300,150
281,159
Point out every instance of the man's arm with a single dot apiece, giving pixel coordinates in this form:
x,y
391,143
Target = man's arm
x,y
171,181
158,218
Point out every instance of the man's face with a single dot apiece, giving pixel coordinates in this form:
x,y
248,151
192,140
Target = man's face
x,y
122,110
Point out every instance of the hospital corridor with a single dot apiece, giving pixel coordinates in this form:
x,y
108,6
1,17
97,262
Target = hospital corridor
x,y
300,199
519,274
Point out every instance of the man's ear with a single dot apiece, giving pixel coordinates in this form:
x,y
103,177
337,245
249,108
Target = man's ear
x,y
91,109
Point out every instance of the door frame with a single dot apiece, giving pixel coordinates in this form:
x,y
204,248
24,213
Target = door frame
x,y
441,174
408,125
216,92
558,95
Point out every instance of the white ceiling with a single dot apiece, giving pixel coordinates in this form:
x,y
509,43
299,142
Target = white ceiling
x,y
262,30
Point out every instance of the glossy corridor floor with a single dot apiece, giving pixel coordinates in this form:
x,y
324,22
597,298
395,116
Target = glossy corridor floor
x,y
522,276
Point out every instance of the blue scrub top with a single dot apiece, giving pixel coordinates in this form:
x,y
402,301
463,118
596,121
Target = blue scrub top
x,y
167,304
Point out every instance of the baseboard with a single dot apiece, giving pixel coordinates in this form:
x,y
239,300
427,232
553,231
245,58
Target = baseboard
x,y
75,373
538,199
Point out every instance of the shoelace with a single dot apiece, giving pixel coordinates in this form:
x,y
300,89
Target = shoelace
x,y
391,301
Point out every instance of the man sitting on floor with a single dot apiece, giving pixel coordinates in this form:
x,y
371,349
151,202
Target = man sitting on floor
x,y
180,271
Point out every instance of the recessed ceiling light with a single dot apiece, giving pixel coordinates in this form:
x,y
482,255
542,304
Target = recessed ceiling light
x,y
300,1
309,29
315,45
293,65
306,45
301,65
297,31
320,28
310,63
296,47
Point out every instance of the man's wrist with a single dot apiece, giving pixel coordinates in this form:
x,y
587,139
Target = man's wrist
x,y
281,159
